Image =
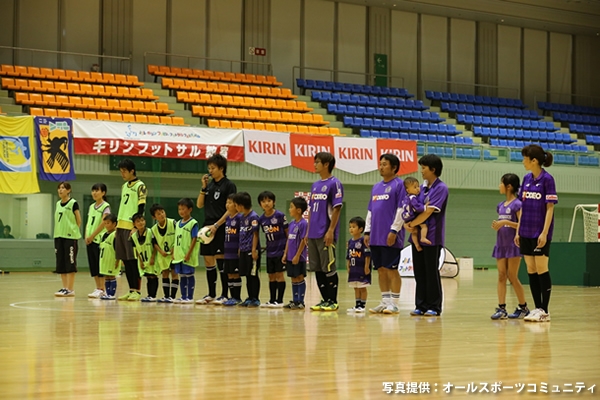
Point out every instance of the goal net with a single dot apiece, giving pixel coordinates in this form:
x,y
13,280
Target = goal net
x,y
591,218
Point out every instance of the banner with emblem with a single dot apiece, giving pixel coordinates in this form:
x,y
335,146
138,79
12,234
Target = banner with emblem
x,y
54,138
18,166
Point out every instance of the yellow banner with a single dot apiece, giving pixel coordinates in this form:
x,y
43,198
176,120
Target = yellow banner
x,y
18,169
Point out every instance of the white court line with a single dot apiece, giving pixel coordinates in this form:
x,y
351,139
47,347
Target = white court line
x,y
142,355
171,310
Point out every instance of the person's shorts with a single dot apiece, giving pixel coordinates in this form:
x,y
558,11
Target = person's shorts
x,y
384,256
249,267
184,269
66,255
358,285
93,255
274,265
321,258
528,247
216,247
124,245
295,270
232,266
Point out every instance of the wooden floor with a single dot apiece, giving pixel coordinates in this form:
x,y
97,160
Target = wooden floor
x,y
90,349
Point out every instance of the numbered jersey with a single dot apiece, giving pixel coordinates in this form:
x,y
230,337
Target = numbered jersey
x,y
95,215
185,233
357,255
143,249
108,255
166,242
65,223
274,228
325,195
132,194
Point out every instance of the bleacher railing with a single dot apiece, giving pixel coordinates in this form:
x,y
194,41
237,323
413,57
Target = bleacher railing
x,y
566,98
467,88
336,75
66,60
205,63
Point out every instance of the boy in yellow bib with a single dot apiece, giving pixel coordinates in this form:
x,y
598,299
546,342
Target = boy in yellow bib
x,y
145,253
187,247
163,239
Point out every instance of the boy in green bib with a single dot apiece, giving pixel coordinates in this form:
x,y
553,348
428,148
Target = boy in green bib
x,y
94,230
163,239
67,221
185,254
144,250
109,265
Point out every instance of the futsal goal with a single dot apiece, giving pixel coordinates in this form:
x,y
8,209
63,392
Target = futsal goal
x,y
591,222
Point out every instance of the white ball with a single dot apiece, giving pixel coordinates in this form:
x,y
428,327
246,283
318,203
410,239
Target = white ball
x,y
205,236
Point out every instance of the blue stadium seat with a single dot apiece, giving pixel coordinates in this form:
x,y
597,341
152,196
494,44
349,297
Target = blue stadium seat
x,y
414,136
476,154
516,156
319,85
301,83
404,136
367,122
420,149
329,86
384,134
448,152
394,135
488,156
375,133
349,121
365,133
460,153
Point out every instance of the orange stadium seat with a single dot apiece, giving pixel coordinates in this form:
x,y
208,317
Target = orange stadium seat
x,y
166,120
150,108
89,114
50,99
142,119
302,129
213,123
243,113
71,75
128,118
75,101
77,114
153,119
149,94
103,116
132,80
36,112
116,117
178,120
292,128
137,106
236,125
122,91
85,76
64,113
7,70
225,124
22,98
50,112
135,93
62,100
113,104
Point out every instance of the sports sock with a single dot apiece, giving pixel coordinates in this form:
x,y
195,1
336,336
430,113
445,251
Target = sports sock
x,y
237,288
166,286
503,306
386,298
333,280
280,291
152,286
357,303
545,288
174,287
230,286
395,298
211,278
224,278
321,283
295,290
362,304
301,291
273,291
191,286
536,291
183,284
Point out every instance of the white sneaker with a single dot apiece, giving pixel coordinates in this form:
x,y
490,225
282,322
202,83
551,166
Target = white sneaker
x,y
96,294
69,293
60,293
352,310
541,316
148,300
379,309
267,304
205,300
179,301
391,309
359,310
187,301
276,305
533,315
219,300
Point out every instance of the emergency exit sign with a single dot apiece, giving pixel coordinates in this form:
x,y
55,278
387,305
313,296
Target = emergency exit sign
x,y
257,51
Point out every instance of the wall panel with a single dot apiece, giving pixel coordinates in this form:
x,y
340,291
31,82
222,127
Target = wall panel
x,y
487,58
38,29
149,30
352,43
257,33
80,32
560,67
379,39
318,38
116,34
433,62
224,33
462,55
7,30
188,32
509,61
535,66
284,52
403,54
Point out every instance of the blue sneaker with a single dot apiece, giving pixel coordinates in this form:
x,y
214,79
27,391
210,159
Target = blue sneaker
x,y
254,303
231,302
519,313
500,314
431,313
246,303
416,313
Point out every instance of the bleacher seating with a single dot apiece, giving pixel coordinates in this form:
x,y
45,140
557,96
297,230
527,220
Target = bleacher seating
x,y
340,87
490,111
477,120
568,108
209,75
576,118
438,97
379,112
242,101
364,100
55,74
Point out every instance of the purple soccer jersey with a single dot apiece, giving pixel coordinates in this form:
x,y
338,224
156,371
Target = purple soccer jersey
x,y
324,196
274,228
356,255
232,237
411,207
437,196
386,198
534,195
248,225
296,234
505,239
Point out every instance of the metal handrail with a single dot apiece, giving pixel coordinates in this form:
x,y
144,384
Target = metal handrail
x,y
190,57
334,74
449,84
101,56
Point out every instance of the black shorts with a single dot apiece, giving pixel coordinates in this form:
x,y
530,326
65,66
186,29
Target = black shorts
x,y
66,255
124,245
528,247
274,265
247,264
295,270
93,255
216,247
232,266
387,257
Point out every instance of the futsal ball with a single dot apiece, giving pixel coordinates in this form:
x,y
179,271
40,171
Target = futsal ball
x,y
205,236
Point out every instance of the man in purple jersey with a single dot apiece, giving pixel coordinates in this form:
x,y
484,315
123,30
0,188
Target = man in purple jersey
x,y
326,196
384,233
434,192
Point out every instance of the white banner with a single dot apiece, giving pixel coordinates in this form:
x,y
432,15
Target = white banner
x,y
356,155
268,150
143,140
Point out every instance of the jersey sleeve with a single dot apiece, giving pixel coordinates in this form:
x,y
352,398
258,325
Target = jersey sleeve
x,y
550,190
255,224
417,204
348,250
437,197
498,208
284,221
337,194
106,211
75,206
194,230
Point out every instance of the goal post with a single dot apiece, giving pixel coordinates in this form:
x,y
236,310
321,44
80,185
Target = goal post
x,y
591,222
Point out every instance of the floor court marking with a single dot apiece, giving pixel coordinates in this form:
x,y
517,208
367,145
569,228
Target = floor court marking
x,y
21,305
143,355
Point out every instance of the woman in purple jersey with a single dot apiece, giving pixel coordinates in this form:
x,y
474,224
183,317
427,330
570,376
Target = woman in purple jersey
x,y
505,252
534,232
